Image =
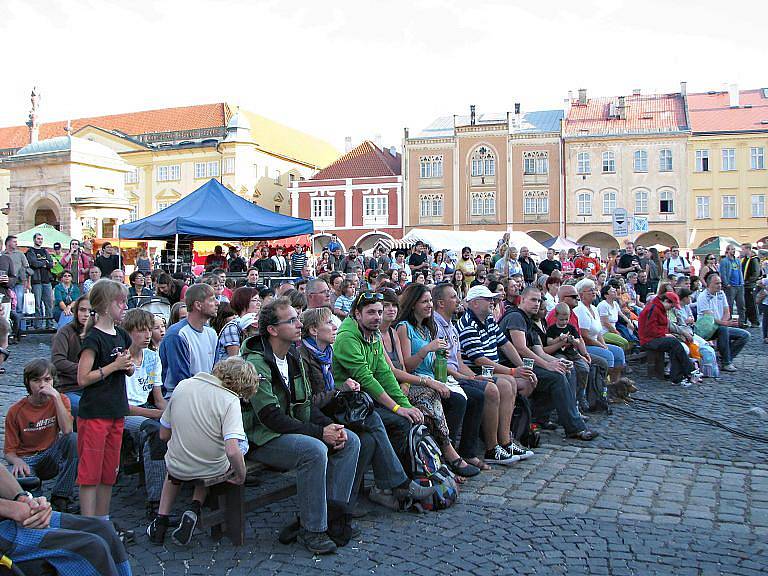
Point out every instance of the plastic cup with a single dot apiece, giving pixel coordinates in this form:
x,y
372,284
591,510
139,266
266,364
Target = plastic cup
x,y
528,363
487,371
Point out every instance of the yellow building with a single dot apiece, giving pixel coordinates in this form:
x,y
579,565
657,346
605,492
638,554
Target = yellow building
x,y
726,156
171,152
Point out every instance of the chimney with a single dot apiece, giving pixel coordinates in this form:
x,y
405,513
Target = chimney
x,y
517,108
347,143
393,151
472,115
570,95
622,108
733,95
377,140
636,92
683,88
405,133
583,96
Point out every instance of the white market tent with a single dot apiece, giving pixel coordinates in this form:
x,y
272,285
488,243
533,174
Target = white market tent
x,y
481,241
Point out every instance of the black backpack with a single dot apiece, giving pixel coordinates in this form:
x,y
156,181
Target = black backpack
x,y
521,424
425,466
597,390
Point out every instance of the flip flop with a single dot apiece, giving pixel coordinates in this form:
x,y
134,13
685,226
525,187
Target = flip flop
x,y
478,463
466,471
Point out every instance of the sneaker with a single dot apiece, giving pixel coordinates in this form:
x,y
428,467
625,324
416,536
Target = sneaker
x,y
151,509
126,536
685,383
414,490
730,368
696,377
516,449
157,529
183,534
498,455
384,498
316,542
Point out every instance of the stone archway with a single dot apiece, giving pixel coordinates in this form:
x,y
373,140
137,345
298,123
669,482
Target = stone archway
x,y
47,216
45,210
605,242
369,240
656,237
539,235
321,240
707,241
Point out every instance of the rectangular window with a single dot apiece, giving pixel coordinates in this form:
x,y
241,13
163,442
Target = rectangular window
x,y
134,214
641,161
758,205
431,166
536,162
163,205
702,207
322,209
483,204
431,206
609,163
702,160
757,158
535,203
729,159
229,165
584,204
132,177
666,203
375,209
665,160
582,163
729,207
641,202
609,203
207,169
168,173
477,167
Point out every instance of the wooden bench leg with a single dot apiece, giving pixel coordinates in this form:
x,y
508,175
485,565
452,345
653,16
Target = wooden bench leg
x,y
655,364
234,496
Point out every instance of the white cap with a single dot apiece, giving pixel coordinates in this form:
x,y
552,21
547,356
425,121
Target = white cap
x,y
480,291
245,321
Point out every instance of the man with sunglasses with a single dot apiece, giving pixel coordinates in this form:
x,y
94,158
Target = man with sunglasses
x,y
286,431
358,353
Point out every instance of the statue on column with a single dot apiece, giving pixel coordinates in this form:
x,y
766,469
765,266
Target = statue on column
x,y
32,123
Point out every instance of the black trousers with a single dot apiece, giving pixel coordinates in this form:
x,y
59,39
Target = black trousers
x,y
750,305
681,364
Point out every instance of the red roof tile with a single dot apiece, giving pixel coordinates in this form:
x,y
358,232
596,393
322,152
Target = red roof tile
x,y
133,124
645,114
711,112
365,161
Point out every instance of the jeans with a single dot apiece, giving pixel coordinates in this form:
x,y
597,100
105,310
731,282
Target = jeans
x,y
613,355
320,477
750,308
61,456
680,364
764,323
43,302
74,401
376,451
19,290
730,341
736,294
467,415
555,390
154,470
397,429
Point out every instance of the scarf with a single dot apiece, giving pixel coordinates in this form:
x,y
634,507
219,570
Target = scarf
x,y
324,357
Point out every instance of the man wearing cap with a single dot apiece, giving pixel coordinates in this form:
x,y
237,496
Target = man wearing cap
x,y
57,256
481,342
556,384
235,263
654,335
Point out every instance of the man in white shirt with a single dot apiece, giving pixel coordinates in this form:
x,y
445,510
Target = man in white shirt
x,y
730,338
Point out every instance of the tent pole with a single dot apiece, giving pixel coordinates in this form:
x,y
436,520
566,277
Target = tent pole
x,y
176,254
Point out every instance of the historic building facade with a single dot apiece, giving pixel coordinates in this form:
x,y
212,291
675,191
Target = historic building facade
x,y
627,152
486,171
727,165
358,198
171,152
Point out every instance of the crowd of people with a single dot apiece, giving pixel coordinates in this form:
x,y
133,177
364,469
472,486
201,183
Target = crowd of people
x,y
244,371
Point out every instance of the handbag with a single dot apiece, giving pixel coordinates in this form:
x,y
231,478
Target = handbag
x,y
29,303
351,408
64,319
705,326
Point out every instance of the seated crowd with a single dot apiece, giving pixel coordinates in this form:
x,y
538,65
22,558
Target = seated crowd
x,y
254,374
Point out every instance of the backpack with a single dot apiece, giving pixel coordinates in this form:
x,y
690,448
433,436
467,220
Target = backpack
x,y
424,464
522,420
597,390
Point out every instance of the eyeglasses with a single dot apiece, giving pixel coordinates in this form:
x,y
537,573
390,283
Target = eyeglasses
x,y
292,320
369,296
324,292
572,296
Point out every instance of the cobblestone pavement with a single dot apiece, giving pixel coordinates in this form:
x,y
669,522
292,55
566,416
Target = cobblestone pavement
x,y
657,493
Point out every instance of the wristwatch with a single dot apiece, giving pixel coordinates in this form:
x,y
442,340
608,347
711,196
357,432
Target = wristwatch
x,y
23,493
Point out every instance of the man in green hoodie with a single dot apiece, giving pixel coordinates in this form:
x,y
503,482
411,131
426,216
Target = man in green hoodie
x,y
287,432
359,354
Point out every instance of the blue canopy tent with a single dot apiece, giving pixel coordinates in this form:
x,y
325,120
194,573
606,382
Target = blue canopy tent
x,y
213,212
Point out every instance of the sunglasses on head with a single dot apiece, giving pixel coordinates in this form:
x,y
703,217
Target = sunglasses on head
x,y
369,296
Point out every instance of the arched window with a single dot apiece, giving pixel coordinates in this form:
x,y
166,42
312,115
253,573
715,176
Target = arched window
x,y
665,160
666,202
483,162
582,163
609,162
609,202
641,202
641,161
584,203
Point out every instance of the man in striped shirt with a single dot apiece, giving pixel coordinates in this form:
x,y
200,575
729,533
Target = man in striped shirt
x,y
298,260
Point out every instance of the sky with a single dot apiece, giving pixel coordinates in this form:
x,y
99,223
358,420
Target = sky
x,y
364,68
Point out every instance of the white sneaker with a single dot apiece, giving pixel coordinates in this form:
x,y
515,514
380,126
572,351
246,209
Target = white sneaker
x,y
500,456
685,383
516,449
730,368
696,377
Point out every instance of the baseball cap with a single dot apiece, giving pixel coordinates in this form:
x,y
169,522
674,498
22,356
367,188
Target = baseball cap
x,y
674,298
246,320
56,245
480,292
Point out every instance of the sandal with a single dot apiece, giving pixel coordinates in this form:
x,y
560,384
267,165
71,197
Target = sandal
x,y
466,471
477,462
585,435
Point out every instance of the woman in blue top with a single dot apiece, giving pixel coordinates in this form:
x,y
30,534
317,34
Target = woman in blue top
x,y
416,332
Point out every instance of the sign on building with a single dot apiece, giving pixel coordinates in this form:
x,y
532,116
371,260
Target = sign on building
x,y
640,224
620,222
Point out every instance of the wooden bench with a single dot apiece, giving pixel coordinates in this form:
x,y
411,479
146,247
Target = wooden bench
x,y
228,503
